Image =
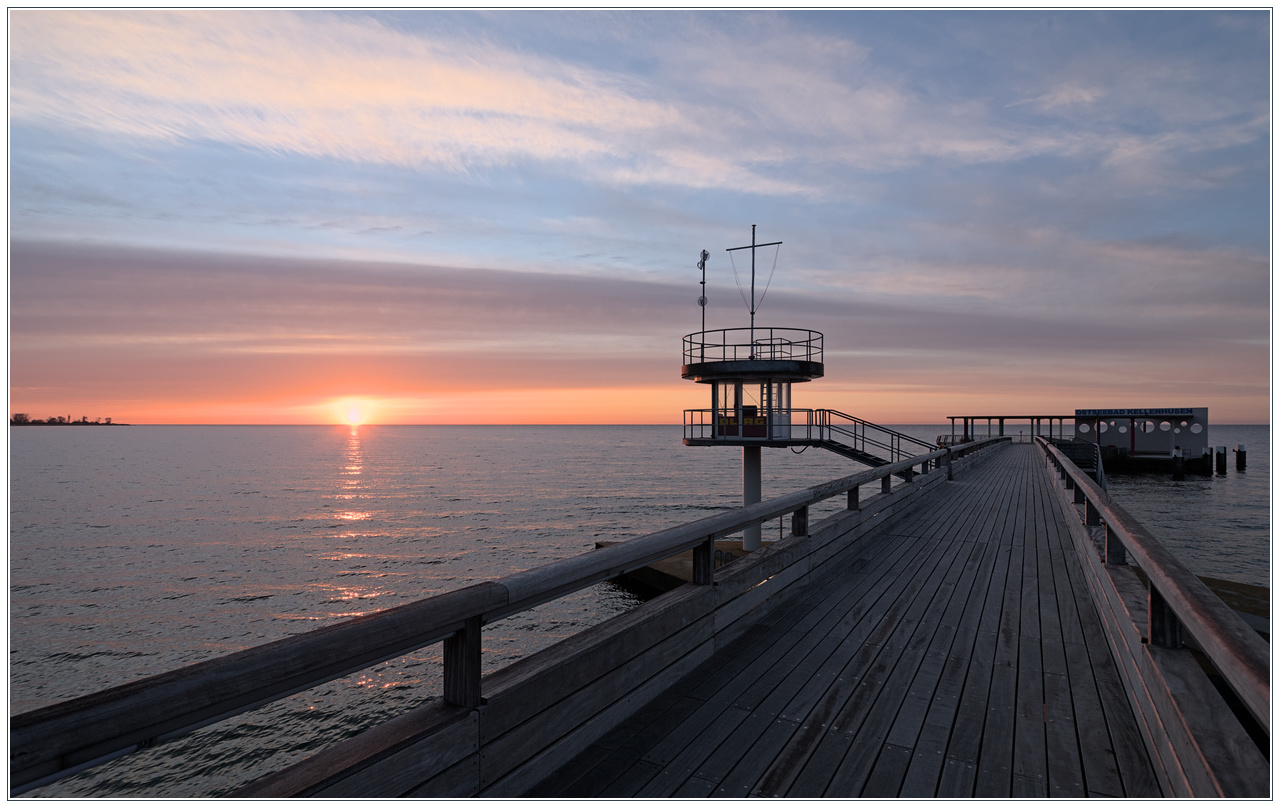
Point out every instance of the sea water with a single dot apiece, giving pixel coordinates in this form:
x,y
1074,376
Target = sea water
x,y
136,550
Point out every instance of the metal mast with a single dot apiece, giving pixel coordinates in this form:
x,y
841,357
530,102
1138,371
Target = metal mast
x,y
752,246
702,298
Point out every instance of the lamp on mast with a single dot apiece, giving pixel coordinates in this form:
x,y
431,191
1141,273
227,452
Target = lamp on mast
x,y
702,298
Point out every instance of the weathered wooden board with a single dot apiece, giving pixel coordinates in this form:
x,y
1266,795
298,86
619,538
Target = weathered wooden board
x,y
588,715
351,764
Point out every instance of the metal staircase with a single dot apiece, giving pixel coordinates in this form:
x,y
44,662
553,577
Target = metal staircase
x,y
835,431
862,440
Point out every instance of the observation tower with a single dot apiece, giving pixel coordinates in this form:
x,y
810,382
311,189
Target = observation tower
x,y
750,372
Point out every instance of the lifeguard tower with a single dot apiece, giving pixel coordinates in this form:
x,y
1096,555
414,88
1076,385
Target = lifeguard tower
x,y
750,372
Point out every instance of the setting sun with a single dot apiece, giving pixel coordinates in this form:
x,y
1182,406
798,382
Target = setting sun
x,y
351,411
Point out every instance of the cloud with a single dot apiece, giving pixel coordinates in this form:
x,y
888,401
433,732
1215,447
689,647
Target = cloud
x,y
316,85
67,296
750,102
115,324
1070,94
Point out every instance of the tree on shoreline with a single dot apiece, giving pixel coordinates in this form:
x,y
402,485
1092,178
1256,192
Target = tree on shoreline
x,y
25,419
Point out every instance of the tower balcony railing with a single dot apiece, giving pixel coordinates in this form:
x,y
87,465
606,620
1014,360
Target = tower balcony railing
x,y
777,425
750,344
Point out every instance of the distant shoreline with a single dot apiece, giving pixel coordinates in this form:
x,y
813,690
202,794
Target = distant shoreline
x,y
66,423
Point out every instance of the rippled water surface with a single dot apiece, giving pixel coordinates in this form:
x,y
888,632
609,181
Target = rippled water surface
x,y
1219,526
135,550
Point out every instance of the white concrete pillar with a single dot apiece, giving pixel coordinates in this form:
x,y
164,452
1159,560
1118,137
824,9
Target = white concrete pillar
x,y
751,493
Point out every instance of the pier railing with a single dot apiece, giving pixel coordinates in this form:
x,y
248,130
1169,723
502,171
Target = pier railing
x,y
52,742
1147,629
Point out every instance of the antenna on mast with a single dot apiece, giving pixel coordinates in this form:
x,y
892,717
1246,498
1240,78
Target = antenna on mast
x,y
752,246
702,298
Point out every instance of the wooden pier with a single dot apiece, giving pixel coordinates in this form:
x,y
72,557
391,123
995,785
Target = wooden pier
x,y
957,655
970,630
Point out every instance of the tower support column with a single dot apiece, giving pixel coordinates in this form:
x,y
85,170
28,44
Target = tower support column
x,y
751,493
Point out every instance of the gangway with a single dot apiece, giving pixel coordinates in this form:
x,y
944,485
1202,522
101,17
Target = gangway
x,y
864,441
871,444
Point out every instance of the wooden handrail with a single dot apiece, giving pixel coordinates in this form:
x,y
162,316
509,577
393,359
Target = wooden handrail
x,y
52,742
1239,654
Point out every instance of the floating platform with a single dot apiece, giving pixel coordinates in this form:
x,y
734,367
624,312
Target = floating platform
x,y
669,573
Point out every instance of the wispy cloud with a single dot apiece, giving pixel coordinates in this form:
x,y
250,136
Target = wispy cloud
x,y
726,106
201,321
316,85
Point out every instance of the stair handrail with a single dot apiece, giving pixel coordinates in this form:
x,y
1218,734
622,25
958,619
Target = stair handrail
x,y
896,438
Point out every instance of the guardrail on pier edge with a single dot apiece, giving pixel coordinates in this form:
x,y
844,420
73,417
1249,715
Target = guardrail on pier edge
x,y
52,742
1214,760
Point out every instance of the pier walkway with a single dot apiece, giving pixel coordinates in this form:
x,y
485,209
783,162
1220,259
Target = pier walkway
x,y
978,621
958,655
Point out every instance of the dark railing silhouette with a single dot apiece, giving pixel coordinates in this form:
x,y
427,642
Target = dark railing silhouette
x,y
753,344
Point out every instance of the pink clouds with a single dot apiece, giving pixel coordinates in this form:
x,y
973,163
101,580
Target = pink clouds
x,y
181,336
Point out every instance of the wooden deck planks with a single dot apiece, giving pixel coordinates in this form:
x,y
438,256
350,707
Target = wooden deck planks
x,y
958,656
699,736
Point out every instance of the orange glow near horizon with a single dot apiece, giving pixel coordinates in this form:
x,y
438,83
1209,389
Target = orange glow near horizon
x,y
656,404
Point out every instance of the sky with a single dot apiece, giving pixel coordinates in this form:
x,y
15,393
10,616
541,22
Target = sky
x,y
495,216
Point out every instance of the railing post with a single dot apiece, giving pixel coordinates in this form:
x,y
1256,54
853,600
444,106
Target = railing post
x,y
909,473
1114,553
886,482
800,521
703,562
1091,515
462,665
950,474
852,503
1080,498
1163,628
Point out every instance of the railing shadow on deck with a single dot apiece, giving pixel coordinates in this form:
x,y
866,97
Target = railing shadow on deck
x,y
450,748
1198,743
